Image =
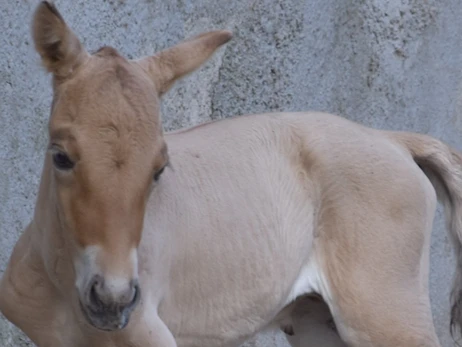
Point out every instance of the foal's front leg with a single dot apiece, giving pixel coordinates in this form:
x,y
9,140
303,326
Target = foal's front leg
x,y
149,331
28,299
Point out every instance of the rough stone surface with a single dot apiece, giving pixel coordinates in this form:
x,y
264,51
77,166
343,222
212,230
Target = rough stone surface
x,y
393,64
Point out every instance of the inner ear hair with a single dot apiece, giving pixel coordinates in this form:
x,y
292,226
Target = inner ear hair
x,y
59,48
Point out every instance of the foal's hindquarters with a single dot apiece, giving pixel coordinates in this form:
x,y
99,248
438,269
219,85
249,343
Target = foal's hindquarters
x,y
373,251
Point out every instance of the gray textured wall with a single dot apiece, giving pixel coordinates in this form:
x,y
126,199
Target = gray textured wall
x,y
386,63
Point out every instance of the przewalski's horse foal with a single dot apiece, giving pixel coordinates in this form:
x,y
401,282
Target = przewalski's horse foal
x,y
254,214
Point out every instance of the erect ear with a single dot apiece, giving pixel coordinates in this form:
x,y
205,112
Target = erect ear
x,y
172,63
59,48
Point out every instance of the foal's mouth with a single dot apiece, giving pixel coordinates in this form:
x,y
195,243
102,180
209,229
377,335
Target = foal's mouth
x,y
108,318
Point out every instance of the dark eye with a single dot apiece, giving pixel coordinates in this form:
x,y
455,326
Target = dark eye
x,y
62,161
158,173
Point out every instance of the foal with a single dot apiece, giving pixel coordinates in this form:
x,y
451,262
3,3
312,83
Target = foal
x,y
253,214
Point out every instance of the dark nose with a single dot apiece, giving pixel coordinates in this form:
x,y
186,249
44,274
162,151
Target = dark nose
x,y
104,294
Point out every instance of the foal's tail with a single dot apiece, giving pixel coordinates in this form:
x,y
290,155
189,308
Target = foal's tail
x,y
443,166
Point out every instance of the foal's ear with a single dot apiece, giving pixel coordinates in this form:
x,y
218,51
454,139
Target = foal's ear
x,y
172,63
59,48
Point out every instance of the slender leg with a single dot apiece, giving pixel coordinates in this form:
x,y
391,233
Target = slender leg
x,y
379,298
373,258
403,322
149,331
28,299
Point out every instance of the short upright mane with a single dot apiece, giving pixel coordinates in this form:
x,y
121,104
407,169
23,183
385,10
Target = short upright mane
x,y
107,51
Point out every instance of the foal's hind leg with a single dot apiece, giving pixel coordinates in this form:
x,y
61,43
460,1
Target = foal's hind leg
x,y
379,298
386,321
372,257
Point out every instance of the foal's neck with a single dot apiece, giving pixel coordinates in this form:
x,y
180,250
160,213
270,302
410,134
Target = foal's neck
x,y
49,239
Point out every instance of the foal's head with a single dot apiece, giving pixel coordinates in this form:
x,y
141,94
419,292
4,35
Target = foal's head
x,y
106,151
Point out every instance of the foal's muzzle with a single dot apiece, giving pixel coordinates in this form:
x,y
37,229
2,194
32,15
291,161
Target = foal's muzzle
x,y
107,310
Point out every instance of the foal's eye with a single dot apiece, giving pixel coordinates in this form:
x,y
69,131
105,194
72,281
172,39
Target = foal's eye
x,y
62,161
158,173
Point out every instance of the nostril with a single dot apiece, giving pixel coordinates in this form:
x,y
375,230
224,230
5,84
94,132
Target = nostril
x,y
103,294
136,294
94,296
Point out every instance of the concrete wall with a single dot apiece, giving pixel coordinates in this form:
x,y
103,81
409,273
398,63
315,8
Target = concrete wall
x,y
386,63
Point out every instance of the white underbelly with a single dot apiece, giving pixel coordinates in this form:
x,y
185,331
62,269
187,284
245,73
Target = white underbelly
x,y
311,279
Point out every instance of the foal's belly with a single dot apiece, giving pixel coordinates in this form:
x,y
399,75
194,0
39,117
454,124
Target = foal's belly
x,y
225,301
233,323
